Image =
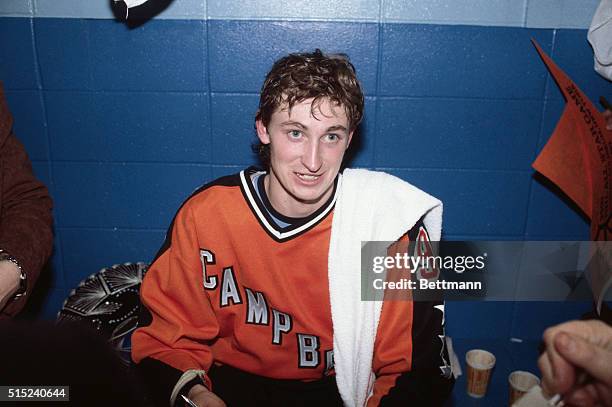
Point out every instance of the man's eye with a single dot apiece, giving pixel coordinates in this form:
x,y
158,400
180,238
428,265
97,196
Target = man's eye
x,y
295,133
332,137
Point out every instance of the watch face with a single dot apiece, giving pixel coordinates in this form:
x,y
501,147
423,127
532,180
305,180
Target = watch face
x,y
109,301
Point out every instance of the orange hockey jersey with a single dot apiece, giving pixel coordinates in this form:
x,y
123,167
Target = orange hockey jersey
x,y
231,287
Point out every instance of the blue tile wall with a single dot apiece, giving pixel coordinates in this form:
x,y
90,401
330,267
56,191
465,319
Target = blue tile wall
x,y
41,171
83,258
18,69
56,265
123,195
52,302
457,133
482,320
361,151
160,55
242,52
66,66
552,216
106,55
29,122
130,127
531,317
123,124
233,129
461,61
219,171
492,203
574,55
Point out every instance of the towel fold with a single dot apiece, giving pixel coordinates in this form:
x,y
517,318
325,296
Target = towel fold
x,y
371,206
600,37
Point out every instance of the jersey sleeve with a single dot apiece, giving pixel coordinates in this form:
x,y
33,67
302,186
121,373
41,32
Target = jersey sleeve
x,y
176,322
410,357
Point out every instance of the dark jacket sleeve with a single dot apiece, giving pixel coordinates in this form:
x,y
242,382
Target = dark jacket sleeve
x,y
25,209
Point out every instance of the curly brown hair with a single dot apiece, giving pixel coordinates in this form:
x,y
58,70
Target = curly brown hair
x,y
298,77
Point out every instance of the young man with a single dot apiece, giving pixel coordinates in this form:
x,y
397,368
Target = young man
x,y
239,304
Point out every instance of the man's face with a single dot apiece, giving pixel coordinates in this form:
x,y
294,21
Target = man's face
x,y
305,155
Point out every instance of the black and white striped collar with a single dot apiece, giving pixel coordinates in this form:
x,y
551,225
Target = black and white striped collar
x,y
262,211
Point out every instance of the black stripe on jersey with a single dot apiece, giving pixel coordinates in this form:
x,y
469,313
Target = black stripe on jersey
x,y
413,234
429,382
262,209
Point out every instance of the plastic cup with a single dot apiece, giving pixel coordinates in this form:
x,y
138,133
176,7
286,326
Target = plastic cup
x,y
479,366
520,383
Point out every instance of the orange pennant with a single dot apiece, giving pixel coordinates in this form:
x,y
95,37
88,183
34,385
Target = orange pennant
x,y
578,156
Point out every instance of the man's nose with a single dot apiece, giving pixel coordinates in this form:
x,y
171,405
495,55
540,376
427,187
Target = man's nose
x,y
311,159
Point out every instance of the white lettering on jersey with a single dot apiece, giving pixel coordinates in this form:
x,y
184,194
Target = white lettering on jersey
x,y
308,346
229,289
257,308
281,324
207,257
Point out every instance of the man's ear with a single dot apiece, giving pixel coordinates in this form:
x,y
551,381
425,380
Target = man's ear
x,y
262,132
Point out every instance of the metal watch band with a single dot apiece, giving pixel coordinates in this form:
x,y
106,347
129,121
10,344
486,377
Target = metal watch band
x,y
23,285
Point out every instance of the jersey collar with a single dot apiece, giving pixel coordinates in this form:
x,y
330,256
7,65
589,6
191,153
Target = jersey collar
x,y
262,208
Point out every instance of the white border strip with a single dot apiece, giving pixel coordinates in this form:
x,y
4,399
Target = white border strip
x,y
504,13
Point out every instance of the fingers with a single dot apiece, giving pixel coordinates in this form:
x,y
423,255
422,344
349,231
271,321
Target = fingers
x,y
604,394
592,358
594,394
561,375
585,396
548,383
212,400
205,398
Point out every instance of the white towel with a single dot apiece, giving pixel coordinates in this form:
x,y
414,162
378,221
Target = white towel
x,y
371,206
600,37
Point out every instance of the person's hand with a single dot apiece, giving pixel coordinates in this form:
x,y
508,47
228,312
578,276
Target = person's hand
x,y
9,281
573,347
204,398
608,116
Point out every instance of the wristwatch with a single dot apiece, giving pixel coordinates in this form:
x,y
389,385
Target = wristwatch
x,y
23,281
